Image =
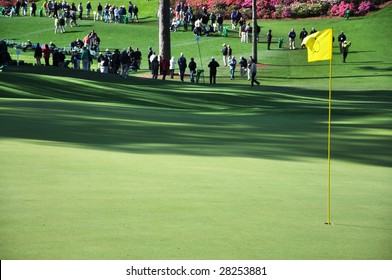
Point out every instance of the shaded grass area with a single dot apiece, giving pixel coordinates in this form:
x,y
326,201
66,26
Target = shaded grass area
x,y
140,115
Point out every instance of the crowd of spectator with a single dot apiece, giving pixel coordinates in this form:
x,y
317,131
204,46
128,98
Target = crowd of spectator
x,y
71,11
83,53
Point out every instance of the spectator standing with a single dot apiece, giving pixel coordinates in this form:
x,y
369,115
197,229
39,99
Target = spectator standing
x,y
99,12
341,39
80,10
45,7
149,54
88,9
224,51
213,65
4,54
46,54
154,67
38,54
138,58
292,36
24,7
104,64
258,30
85,58
136,13
269,39
220,23
67,17
232,64
229,52
253,68
249,68
192,69
153,55
33,9
73,18
164,64
182,66
243,66
243,33
302,36
130,11
248,30
172,67
198,27
115,62
18,5
62,24
61,58
213,21
233,21
125,61
76,59
346,45
56,25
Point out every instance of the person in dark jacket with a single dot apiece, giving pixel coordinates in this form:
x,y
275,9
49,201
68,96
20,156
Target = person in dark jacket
x,y
213,65
182,66
38,54
154,67
125,61
33,9
292,36
192,69
269,39
302,36
341,39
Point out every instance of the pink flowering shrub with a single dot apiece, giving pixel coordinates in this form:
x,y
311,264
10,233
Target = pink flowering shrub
x,y
339,10
365,7
275,9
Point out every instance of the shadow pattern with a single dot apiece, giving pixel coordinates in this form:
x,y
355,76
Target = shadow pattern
x,y
146,116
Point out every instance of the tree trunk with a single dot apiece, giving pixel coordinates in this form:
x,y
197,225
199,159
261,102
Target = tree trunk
x,y
164,28
254,30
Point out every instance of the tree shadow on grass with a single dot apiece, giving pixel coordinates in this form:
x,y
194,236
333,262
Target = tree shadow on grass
x,y
146,116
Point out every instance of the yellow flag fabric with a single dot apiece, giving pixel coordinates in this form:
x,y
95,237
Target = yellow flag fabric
x,y
319,45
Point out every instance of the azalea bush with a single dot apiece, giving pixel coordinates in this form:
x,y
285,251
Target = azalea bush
x,y
275,9
339,10
365,7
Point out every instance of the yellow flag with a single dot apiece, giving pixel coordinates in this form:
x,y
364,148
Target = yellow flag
x,y
319,45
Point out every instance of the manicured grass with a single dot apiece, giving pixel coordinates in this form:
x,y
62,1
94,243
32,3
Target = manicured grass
x,y
98,167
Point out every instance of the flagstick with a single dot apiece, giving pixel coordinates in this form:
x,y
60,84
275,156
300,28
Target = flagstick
x,y
329,141
319,49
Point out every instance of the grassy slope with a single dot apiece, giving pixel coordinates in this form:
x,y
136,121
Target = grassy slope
x,y
140,169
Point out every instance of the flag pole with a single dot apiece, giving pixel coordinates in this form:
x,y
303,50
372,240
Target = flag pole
x,y
329,139
319,47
